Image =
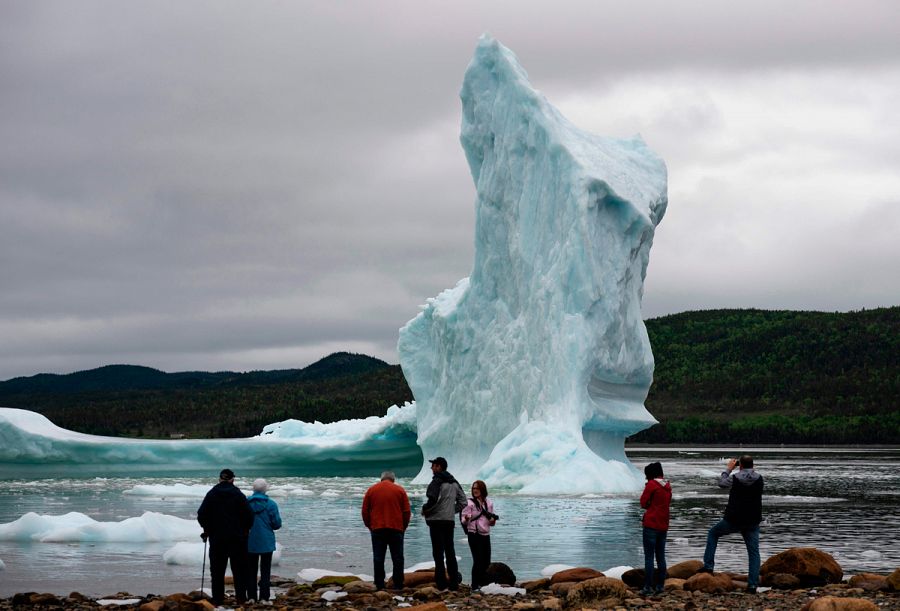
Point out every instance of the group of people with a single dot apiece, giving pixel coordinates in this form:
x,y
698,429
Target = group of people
x,y
241,530
386,513
743,515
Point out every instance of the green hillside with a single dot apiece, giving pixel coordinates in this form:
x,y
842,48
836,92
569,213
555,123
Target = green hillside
x,y
722,376
776,377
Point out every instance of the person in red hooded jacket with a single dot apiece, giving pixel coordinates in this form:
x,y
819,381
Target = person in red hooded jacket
x,y
656,498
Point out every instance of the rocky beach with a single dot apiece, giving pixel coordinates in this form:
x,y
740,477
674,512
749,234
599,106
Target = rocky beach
x,y
799,578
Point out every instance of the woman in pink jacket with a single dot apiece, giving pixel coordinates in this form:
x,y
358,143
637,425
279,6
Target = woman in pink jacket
x,y
477,518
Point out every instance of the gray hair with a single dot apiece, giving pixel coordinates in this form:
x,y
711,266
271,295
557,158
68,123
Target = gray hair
x,y
389,475
260,485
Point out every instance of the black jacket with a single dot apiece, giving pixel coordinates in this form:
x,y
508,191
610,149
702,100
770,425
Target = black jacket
x,y
225,512
744,508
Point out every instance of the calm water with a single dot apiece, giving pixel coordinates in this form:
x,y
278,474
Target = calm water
x,y
838,501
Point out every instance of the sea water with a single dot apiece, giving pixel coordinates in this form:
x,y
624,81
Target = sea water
x,y
836,500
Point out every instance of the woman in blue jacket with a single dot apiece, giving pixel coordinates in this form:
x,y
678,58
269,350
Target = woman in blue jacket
x,y
261,542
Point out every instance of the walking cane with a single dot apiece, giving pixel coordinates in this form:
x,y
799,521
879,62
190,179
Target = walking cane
x,y
203,571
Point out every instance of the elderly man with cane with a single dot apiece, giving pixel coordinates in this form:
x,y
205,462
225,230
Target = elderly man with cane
x,y
226,518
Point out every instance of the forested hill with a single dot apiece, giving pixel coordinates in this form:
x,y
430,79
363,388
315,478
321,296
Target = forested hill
x,y
143,402
776,377
726,376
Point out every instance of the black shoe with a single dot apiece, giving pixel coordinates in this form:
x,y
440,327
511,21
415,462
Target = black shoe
x,y
751,589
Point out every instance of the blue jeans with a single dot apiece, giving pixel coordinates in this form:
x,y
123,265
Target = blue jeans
x,y
654,545
751,540
382,539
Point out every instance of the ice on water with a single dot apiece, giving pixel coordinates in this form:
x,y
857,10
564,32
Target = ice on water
x,y
77,527
191,554
532,372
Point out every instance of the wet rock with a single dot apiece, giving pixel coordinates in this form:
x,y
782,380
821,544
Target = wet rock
x,y
527,605
427,593
562,588
893,581
708,582
438,606
497,572
869,582
334,580
78,597
359,587
299,590
673,583
783,581
597,592
683,570
836,603
153,605
811,566
576,574
414,580
552,604
536,584
633,578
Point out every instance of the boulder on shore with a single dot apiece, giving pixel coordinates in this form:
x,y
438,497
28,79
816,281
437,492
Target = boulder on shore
x,y
837,603
708,582
597,591
581,573
811,566
683,570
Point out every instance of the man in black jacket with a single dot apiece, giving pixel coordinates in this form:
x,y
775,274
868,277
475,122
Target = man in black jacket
x,y
226,518
445,499
743,514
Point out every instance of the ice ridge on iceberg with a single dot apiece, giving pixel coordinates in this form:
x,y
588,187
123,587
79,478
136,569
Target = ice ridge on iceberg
x,y
533,371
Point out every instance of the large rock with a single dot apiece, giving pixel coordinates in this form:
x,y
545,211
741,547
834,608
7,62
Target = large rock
x,y
673,583
683,570
893,581
709,583
359,587
633,578
577,574
869,581
414,580
600,591
811,566
536,584
497,572
783,581
836,603
334,580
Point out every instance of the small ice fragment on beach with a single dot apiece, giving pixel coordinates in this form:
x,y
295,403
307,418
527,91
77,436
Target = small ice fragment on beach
x,y
498,589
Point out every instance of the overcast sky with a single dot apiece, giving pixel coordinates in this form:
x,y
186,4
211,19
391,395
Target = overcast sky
x,y
254,185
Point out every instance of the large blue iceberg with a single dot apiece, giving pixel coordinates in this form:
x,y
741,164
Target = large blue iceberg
x,y
532,372
529,374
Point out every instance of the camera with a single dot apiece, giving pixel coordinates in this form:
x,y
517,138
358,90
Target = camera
x,y
491,516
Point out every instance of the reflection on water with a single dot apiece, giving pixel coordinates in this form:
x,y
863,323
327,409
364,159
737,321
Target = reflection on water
x,y
837,501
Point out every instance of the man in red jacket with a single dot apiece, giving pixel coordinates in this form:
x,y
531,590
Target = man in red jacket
x,y
386,513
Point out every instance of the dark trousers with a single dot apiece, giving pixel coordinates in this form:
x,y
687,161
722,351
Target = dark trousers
x,y
481,558
382,539
654,545
263,564
221,551
442,544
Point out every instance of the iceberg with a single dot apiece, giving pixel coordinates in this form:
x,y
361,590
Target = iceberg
x,y
533,371
349,447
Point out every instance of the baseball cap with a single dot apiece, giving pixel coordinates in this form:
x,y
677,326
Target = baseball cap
x,y
440,460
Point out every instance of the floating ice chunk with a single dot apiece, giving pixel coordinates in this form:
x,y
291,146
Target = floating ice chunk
x,y
2,565
310,575
106,602
550,570
332,595
680,541
184,553
77,527
616,572
532,372
169,491
493,588
871,554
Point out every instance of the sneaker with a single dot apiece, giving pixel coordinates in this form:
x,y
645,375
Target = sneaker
x,y
751,589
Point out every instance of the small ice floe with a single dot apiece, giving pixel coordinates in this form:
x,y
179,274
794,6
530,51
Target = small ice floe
x,y
76,527
494,588
681,541
549,571
2,566
192,554
869,554
105,602
171,491
330,494
310,575
616,572
339,554
331,595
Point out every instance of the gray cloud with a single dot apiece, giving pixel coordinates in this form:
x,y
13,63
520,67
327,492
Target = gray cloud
x,y
232,185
